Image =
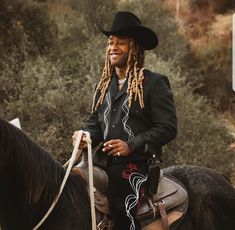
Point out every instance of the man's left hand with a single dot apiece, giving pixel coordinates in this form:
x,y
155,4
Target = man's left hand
x,y
116,147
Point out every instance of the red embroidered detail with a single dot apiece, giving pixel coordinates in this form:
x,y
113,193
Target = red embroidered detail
x,y
142,192
142,197
126,173
132,167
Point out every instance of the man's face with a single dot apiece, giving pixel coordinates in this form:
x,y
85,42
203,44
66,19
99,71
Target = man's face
x,y
118,49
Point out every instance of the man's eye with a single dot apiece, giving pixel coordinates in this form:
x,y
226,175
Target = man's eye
x,y
110,43
117,43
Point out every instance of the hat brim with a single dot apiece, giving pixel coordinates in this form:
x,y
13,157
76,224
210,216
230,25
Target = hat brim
x,y
146,37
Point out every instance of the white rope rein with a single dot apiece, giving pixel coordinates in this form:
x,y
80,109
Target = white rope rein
x,y
91,182
75,155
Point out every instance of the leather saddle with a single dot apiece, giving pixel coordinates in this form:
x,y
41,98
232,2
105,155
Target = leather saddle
x,y
164,209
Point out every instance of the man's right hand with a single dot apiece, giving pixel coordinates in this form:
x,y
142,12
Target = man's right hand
x,y
83,144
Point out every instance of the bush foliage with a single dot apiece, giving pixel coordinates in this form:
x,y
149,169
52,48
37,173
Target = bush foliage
x,y
202,139
49,69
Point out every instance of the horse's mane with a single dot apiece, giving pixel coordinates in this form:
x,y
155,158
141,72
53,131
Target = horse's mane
x,y
40,173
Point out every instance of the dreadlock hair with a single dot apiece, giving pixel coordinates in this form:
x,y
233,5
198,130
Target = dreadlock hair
x,y
135,67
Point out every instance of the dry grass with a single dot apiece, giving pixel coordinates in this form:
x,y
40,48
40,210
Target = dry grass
x,y
204,28
199,23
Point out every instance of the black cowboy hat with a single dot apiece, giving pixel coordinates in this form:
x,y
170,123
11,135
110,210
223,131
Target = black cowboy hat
x,y
126,23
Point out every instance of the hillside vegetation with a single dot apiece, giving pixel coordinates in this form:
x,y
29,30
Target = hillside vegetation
x,y
207,26
51,55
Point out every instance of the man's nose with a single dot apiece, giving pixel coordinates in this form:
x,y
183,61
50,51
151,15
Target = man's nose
x,y
114,46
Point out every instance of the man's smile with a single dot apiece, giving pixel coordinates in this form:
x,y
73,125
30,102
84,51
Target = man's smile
x,y
113,55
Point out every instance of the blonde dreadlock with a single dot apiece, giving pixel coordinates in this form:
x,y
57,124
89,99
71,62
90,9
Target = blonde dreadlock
x,y
135,67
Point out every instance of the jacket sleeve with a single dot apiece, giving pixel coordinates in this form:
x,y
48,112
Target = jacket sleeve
x,y
93,127
163,118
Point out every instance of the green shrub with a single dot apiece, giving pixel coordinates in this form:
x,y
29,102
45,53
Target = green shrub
x,y
154,15
50,105
51,90
215,63
202,139
26,28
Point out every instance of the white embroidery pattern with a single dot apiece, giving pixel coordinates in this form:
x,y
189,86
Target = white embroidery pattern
x,y
135,180
126,109
106,112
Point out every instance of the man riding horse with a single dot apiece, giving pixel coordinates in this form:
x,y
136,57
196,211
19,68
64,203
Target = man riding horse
x,y
133,115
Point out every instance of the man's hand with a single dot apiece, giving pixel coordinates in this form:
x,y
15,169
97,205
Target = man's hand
x,y
83,144
117,147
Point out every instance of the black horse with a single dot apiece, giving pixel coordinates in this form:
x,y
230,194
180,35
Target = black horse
x,y
30,179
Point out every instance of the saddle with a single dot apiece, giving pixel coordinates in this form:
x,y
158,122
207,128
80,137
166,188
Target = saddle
x,y
162,210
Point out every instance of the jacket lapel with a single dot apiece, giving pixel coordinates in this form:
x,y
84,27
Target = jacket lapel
x,y
113,89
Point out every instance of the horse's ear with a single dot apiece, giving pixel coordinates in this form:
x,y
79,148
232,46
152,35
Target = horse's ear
x,y
16,123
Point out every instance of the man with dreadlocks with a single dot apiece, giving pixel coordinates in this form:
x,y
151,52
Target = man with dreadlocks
x,y
133,115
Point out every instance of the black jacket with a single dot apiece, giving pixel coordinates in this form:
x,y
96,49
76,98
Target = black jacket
x,y
145,130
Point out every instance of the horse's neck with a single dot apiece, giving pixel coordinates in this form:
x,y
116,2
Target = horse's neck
x,y
33,175
14,211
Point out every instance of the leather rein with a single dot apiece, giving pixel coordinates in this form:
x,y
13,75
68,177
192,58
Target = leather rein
x,y
75,155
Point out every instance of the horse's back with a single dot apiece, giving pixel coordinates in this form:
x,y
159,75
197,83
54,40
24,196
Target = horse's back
x,y
201,179
211,198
